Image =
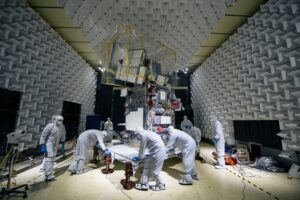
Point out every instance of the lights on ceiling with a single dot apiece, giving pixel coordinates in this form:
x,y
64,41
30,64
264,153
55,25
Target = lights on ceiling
x,y
186,70
102,69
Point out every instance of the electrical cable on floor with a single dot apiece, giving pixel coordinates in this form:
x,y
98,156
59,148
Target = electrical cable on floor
x,y
106,176
240,168
247,165
242,172
244,189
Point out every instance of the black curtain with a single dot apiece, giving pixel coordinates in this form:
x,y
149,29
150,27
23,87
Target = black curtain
x,y
9,108
118,110
109,103
71,113
258,131
103,106
185,96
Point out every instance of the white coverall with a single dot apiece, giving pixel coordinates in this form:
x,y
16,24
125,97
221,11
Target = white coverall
x,y
195,133
187,145
186,125
86,140
157,153
220,141
51,136
109,127
62,130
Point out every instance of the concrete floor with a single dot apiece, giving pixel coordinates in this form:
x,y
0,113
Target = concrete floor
x,y
213,184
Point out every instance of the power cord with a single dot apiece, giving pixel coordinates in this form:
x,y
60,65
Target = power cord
x,y
244,188
241,171
244,174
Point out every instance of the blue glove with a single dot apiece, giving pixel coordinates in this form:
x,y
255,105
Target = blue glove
x,y
136,158
62,147
214,141
43,149
106,152
170,150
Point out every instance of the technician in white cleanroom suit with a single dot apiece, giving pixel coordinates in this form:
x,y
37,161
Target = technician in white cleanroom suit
x,y
86,140
62,140
49,141
154,159
195,133
186,125
181,140
109,127
219,142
